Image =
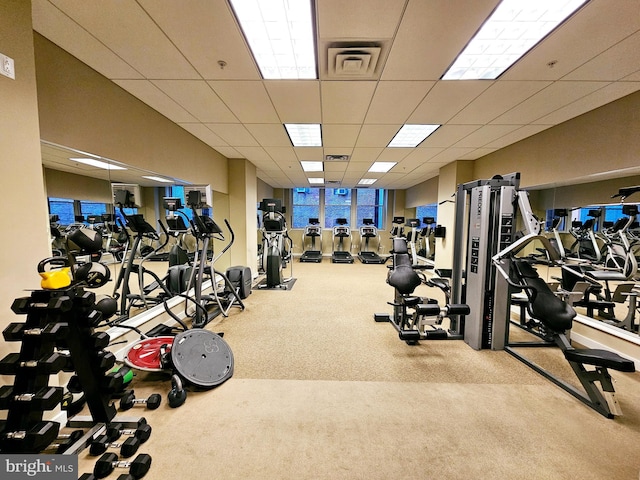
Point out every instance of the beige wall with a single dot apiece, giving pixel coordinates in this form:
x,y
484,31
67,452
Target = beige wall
x,y
603,140
77,187
24,216
243,199
424,193
79,108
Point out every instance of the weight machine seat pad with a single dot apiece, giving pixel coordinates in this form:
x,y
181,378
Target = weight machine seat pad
x,y
441,283
546,307
404,279
600,358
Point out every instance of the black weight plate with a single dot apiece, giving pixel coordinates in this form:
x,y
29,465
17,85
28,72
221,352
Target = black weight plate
x,y
202,357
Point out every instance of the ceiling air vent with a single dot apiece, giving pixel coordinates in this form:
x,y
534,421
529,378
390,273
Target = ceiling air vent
x,y
336,158
333,182
352,62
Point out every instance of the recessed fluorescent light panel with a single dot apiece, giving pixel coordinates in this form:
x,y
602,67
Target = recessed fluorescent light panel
x,y
157,179
511,31
317,180
367,181
280,34
382,167
97,163
311,166
412,135
304,134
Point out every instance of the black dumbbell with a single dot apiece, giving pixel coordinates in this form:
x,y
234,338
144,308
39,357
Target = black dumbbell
x,y
30,441
48,364
138,468
100,340
104,359
129,399
115,381
128,448
17,331
46,398
64,441
142,433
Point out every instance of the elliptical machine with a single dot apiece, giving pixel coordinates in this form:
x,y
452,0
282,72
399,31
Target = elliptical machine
x,y
276,245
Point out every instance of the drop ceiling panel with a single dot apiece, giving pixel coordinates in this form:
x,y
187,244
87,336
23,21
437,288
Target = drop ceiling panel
x,y
547,100
362,19
156,99
50,22
484,135
203,133
445,99
615,63
606,21
394,154
447,135
598,98
247,99
229,152
431,167
365,154
498,98
357,168
394,101
234,134
295,101
335,166
340,135
346,102
256,155
376,135
517,135
197,98
126,29
309,153
421,33
634,77
283,155
212,20
452,154
477,153
269,134
421,155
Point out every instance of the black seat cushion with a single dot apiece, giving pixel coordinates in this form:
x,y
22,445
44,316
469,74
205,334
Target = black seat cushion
x,y
545,306
404,279
600,358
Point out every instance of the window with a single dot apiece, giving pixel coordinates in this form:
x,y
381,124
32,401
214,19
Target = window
x,y
92,208
370,204
430,210
306,205
337,204
63,207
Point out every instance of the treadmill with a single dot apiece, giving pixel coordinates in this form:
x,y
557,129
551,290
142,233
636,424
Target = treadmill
x,y
367,232
341,231
312,231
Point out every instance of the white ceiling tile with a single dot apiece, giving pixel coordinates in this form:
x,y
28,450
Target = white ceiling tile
x,y
547,100
213,22
376,135
126,29
339,135
359,19
484,135
447,135
345,102
445,99
296,101
282,155
156,99
421,155
234,134
517,135
634,77
422,30
335,166
615,63
365,154
255,154
477,153
394,154
358,167
309,153
596,99
197,98
593,29
498,98
431,167
229,152
269,134
247,99
452,154
51,23
394,101
205,134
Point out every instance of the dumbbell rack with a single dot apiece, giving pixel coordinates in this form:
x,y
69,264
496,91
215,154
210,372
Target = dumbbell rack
x,y
56,320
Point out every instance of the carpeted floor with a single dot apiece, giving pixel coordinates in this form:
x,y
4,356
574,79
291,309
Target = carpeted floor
x,y
320,390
